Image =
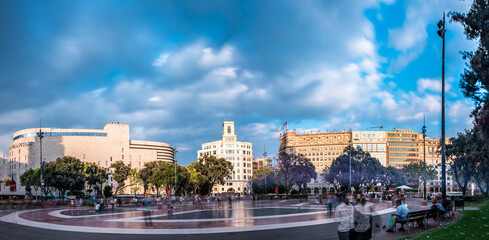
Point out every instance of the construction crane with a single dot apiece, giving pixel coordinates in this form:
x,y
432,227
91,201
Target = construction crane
x,y
379,127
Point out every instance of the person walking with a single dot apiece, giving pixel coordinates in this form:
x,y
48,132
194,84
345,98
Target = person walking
x,y
344,216
329,203
362,215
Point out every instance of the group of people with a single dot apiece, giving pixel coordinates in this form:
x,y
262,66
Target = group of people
x,y
102,204
354,220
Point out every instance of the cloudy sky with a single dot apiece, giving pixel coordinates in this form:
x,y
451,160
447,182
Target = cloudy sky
x,y
174,70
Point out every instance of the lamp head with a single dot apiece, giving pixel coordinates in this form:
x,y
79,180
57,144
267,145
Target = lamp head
x,y
441,33
440,24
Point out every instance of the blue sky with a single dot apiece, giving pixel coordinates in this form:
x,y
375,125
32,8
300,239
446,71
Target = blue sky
x,y
175,70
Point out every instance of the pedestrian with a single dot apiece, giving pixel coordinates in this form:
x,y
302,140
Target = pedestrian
x,y
362,215
344,216
97,207
329,203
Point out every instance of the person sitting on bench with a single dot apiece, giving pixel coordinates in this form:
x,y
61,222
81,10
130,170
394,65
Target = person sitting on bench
x,y
401,216
437,205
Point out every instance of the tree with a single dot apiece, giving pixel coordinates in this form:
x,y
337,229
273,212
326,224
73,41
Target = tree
x,y
121,173
95,174
365,170
30,178
211,171
107,191
414,172
475,79
162,174
147,172
258,180
66,173
392,176
302,171
285,164
462,163
134,180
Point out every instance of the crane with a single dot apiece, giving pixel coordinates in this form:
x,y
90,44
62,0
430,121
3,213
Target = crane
x,y
379,127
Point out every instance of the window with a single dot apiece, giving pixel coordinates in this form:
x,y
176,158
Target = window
x,y
83,156
229,129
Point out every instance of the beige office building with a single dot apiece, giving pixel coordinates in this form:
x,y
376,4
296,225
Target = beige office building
x,y
320,148
103,147
402,147
240,154
262,163
373,142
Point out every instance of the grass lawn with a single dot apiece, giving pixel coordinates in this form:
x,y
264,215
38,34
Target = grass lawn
x,y
473,224
477,203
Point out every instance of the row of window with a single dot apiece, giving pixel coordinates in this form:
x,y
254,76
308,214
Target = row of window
x,y
404,149
401,135
55,134
403,144
316,138
373,135
403,155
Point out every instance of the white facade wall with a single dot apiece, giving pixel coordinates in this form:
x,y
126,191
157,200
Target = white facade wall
x,y
102,147
240,154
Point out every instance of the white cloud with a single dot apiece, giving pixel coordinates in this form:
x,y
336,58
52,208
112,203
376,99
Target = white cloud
x,y
210,59
431,84
162,59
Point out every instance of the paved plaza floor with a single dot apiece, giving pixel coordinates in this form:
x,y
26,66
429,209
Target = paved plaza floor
x,y
288,219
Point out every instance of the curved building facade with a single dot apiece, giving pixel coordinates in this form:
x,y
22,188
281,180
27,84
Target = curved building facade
x,y
103,147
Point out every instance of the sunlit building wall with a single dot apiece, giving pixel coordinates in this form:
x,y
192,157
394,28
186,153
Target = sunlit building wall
x,y
240,154
100,146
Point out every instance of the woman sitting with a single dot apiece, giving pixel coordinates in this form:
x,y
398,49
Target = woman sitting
x,y
437,205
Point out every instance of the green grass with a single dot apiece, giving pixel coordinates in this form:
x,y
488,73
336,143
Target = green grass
x,y
473,224
477,203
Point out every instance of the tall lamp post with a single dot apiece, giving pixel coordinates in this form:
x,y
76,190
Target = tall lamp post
x,y
424,158
40,135
175,163
349,186
441,33
266,162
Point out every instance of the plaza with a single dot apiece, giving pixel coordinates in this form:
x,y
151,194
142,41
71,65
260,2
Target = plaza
x,y
246,219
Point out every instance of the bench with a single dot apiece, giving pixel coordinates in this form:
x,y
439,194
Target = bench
x,y
417,216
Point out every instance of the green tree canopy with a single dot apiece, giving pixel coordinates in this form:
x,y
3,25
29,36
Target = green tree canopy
x,y
208,171
414,173
120,175
96,174
475,79
64,174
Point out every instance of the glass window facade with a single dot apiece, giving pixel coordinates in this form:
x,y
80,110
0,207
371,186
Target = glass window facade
x,y
55,134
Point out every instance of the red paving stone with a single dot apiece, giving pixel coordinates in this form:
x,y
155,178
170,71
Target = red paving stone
x,y
101,220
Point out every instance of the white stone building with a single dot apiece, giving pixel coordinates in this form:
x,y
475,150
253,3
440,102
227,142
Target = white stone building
x,y
240,154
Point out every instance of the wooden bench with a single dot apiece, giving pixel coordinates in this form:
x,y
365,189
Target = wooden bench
x,y
417,216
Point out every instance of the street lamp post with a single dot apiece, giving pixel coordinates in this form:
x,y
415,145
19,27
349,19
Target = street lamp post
x,y
441,33
349,186
175,163
424,158
265,163
40,135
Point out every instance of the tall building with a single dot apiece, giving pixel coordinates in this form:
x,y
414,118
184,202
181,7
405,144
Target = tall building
x,y
103,147
240,154
374,142
320,148
403,147
262,163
